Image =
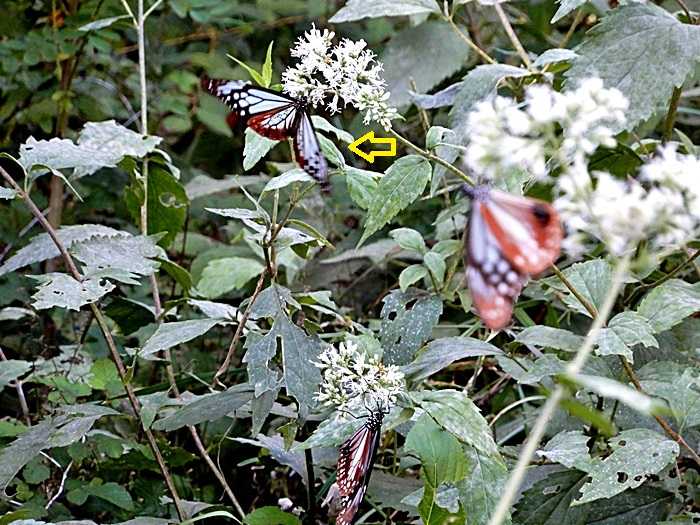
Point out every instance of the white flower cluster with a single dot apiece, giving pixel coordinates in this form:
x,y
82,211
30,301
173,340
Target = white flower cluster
x,y
505,135
351,379
663,206
347,73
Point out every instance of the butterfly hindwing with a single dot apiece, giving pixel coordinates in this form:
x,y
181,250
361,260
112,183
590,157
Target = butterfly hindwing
x,y
308,153
509,238
355,463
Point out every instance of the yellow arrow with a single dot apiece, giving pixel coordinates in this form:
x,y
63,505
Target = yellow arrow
x,y
369,157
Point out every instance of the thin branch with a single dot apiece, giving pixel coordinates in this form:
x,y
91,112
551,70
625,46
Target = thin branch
x,y
127,8
590,308
673,272
513,37
482,54
533,440
64,476
671,114
20,394
577,20
104,327
466,178
311,488
239,331
152,8
685,9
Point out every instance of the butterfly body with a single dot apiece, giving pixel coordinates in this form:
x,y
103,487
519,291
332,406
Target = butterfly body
x,y
509,239
273,115
355,463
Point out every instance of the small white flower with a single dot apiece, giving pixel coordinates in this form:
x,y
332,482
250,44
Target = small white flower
x,y
339,75
351,379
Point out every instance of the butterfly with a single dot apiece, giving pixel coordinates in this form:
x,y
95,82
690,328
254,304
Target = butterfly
x,y
276,116
355,464
509,238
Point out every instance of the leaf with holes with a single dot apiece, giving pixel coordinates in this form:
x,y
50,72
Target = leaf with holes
x,y
408,319
637,454
63,291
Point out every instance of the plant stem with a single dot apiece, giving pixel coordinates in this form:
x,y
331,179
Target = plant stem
x,y
239,331
671,115
482,54
590,308
311,489
466,178
20,394
513,37
574,367
577,20
104,327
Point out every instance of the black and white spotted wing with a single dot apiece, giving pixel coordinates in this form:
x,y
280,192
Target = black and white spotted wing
x,y
355,463
275,116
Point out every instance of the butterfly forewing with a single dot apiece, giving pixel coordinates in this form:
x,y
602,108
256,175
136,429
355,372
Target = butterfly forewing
x,y
355,462
509,238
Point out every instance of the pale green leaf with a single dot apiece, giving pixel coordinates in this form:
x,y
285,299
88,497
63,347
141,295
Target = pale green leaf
x,y
612,389
402,184
362,185
359,9
131,254
409,239
436,264
569,448
287,178
408,52
637,453
411,275
12,369
668,304
642,50
102,23
441,352
172,334
456,413
7,193
256,147
63,291
221,276
481,490
624,331
565,7
549,337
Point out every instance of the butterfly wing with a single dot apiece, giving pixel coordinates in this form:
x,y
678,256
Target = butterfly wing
x,y
528,231
268,112
493,281
308,153
355,464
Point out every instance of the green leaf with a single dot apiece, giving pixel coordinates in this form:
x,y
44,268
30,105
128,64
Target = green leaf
x,y
456,413
42,248
267,66
612,48
681,393
60,431
112,492
63,291
402,184
436,264
131,254
440,453
7,193
359,9
287,178
412,274
362,185
554,56
105,377
331,151
409,239
637,453
441,352
668,304
624,331
548,337
208,407
321,123
11,370
221,276
481,82
256,147
35,472
253,74
565,7
270,516
408,319
549,502
612,389
569,448
172,334
299,351
130,315
102,23
407,53
592,279
481,490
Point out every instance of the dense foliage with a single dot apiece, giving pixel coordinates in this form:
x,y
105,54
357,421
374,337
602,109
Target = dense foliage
x,y
186,319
